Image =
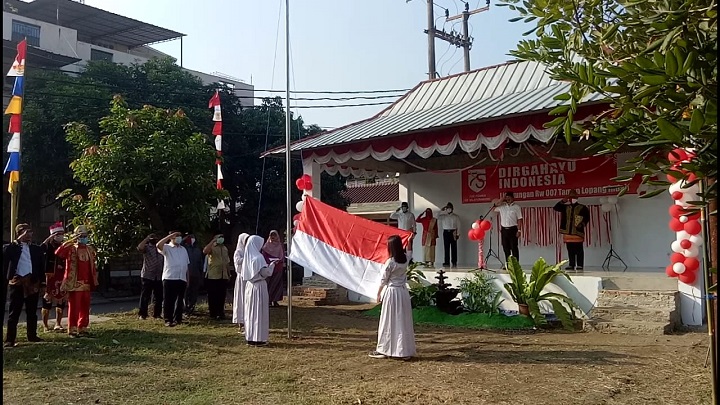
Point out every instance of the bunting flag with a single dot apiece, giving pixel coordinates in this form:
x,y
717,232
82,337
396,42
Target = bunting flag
x,y
217,131
344,248
14,109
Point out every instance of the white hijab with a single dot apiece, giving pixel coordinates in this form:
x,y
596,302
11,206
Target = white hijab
x,y
253,260
240,251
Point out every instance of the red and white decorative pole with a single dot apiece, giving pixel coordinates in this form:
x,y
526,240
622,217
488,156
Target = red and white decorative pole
x,y
217,131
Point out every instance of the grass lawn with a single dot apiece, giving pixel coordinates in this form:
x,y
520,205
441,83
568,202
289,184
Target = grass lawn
x,y
134,362
433,316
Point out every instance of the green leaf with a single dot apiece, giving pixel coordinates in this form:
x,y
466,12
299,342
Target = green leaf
x,y
669,130
671,65
654,79
696,121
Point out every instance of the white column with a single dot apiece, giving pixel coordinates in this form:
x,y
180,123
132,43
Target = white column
x,y
314,170
692,304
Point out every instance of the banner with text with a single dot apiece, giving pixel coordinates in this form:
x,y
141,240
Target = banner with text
x,y
550,179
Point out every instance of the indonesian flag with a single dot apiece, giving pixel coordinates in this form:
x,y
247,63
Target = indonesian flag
x,y
18,66
214,103
346,249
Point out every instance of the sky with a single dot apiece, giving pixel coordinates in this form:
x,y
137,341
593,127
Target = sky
x,y
336,45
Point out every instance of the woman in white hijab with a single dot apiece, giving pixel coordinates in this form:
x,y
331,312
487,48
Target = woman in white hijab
x,y
239,292
257,306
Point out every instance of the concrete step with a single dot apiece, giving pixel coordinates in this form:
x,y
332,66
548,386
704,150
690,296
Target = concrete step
x,y
307,301
629,327
639,282
665,300
630,313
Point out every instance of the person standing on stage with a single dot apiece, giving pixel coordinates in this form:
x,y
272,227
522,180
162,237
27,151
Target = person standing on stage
x,y
54,272
80,279
511,222
429,236
24,267
406,222
574,217
450,224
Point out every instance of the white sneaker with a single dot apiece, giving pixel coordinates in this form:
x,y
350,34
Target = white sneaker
x,y
376,355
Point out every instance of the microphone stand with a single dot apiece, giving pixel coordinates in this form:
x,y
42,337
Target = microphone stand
x,y
490,252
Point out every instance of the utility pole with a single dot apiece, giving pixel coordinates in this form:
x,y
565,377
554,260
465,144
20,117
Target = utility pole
x,y
465,41
431,39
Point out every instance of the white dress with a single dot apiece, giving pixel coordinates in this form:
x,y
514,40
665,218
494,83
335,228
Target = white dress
x,y
238,310
396,335
257,307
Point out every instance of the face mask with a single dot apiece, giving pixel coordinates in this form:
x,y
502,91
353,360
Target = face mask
x,y
404,209
178,240
220,241
450,210
83,240
573,200
59,238
192,241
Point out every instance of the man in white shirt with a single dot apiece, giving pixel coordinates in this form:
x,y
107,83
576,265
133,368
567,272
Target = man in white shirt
x,y
449,222
511,222
174,277
405,221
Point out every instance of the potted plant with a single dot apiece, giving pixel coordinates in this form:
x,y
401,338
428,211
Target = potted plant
x,y
479,295
528,293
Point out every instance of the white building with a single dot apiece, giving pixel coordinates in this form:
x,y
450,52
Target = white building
x,y
66,34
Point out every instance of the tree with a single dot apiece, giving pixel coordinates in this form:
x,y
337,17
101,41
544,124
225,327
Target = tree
x,y
148,164
655,63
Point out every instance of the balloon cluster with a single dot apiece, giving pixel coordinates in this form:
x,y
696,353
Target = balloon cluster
x,y
304,183
478,229
608,203
684,221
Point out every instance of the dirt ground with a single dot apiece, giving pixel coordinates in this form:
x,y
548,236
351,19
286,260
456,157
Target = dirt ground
x,y
130,361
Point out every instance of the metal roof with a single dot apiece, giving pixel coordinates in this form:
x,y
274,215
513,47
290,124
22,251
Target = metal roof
x,y
93,24
490,93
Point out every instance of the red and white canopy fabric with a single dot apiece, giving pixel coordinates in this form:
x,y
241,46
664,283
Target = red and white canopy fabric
x,y
346,249
492,135
217,131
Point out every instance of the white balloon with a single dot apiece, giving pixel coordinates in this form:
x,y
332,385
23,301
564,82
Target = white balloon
x,y
692,252
696,240
682,235
675,246
679,268
606,207
475,225
603,200
304,196
296,222
299,206
683,219
674,187
612,200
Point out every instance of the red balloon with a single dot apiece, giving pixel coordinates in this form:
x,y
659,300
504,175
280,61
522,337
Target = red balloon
x,y
471,234
688,277
677,195
485,225
306,178
478,234
308,185
670,272
676,225
300,184
677,155
685,244
671,179
296,217
677,258
693,227
676,211
691,264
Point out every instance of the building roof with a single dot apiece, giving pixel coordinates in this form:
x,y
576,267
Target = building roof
x,y
36,56
372,193
93,24
494,92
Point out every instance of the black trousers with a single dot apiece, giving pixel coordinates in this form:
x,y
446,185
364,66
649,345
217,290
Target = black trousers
x,y
151,288
576,254
174,300
193,290
450,247
510,242
18,300
216,290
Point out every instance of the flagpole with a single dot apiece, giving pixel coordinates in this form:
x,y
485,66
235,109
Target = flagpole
x,y
14,185
288,174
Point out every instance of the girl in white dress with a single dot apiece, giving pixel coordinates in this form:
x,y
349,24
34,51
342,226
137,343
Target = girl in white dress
x,y
257,306
239,291
396,336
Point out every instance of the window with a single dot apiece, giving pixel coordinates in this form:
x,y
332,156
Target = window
x,y
22,30
96,54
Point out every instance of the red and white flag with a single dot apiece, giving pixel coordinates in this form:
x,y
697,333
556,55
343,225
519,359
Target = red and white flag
x,y
18,66
217,131
345,249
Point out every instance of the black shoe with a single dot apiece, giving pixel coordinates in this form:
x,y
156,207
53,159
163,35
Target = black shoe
x,y
142,317
10,344
35,339
170,324
569,268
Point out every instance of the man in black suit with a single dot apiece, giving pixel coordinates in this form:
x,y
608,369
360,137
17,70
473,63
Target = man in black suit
x,y
23,264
